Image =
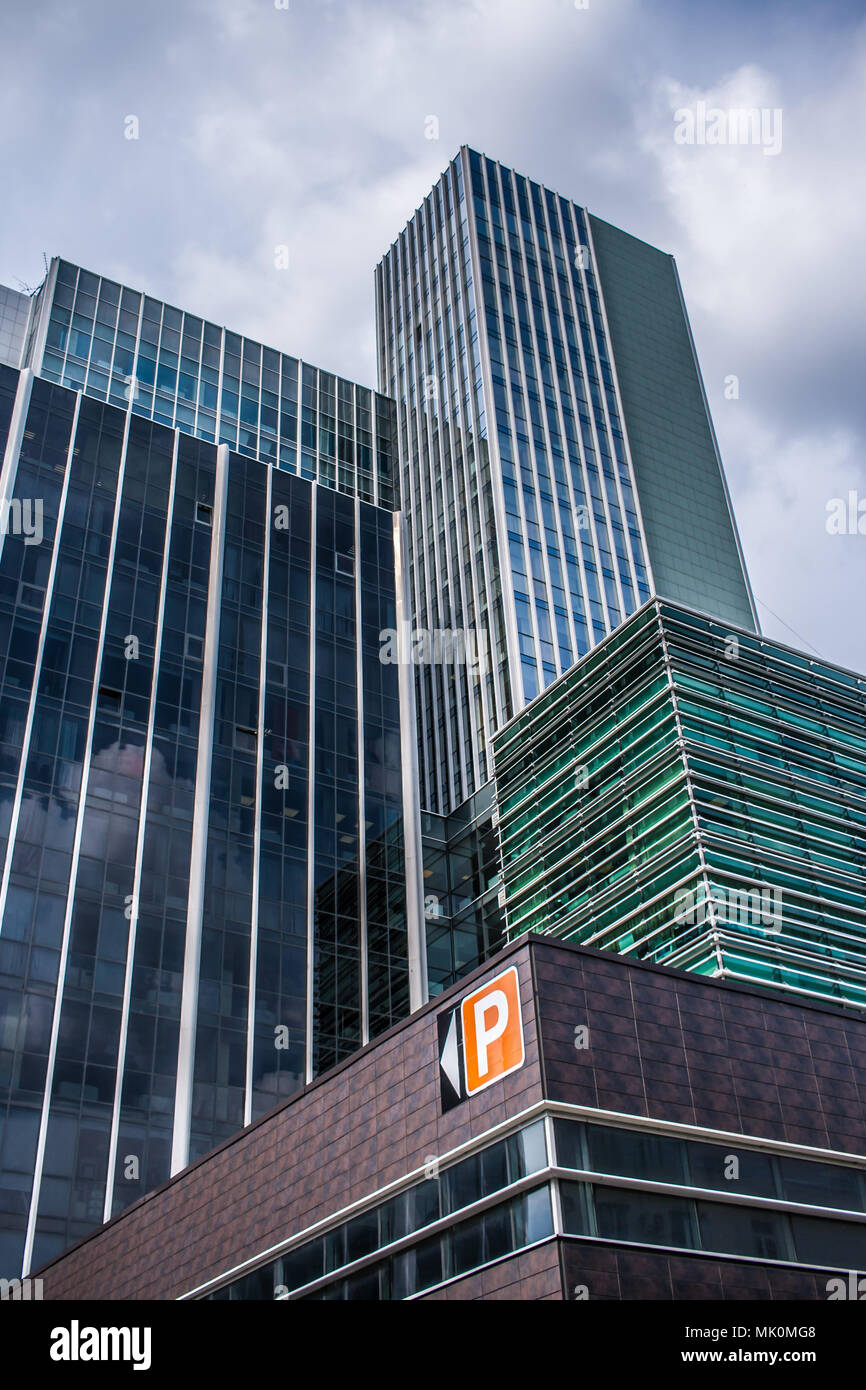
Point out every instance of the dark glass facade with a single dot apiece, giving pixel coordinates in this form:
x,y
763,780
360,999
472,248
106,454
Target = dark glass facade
x,y
464,920
203,899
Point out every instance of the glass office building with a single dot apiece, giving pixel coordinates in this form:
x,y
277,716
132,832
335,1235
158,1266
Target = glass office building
x,y
15,310
557,456
694,795
118,345
465,924
203,891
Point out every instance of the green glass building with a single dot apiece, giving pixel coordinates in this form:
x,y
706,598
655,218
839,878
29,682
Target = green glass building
x,y
694,795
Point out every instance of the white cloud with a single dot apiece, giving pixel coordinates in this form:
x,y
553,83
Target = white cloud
x,y
801,574
767,248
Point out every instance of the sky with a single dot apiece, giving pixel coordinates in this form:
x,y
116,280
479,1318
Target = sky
x,y
307,124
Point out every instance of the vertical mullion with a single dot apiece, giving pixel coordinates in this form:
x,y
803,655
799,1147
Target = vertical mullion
x,y
311,799
257,828
201,816
362,815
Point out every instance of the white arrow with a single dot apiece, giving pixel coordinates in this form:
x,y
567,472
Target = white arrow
x,y
449,1061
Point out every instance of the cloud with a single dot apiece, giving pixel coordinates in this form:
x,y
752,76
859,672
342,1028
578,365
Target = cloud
x,y
767,249
306,127
804,577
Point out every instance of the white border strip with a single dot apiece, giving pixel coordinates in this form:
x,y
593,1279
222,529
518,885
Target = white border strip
x,y
201,815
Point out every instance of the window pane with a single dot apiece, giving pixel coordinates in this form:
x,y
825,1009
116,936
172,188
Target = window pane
x,y
821,1184
635,1155
575,1213
709,1165
734,1230
645,1218
839,1243
467,1246
569,1137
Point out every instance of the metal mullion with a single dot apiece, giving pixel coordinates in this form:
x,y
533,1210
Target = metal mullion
x,y
447,492
484,589
40,339
401,303
200,823
413,849
593,425
257,824
539,672
575,406
310,973
362,813
14,441
437,692
593,336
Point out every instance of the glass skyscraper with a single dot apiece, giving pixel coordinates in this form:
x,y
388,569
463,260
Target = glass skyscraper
x,y
203,896
558,463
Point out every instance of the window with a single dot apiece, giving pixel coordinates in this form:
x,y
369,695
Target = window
x,y
645,1218
710,1166
635,1154
511,1225
735,1230
822,1185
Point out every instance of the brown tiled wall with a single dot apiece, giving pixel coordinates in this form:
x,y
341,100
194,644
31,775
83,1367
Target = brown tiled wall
x,y
675,1046
375,1120
611,1273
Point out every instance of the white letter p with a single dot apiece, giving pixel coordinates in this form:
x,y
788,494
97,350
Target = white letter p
x,y
485,1036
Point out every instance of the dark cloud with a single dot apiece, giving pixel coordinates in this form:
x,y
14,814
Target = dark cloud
x,y
305,127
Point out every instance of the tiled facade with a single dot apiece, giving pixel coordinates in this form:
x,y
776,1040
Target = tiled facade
x,y
666,1044
601,1273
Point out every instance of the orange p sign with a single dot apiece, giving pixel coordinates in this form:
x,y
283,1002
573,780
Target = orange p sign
x,y
492,1031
